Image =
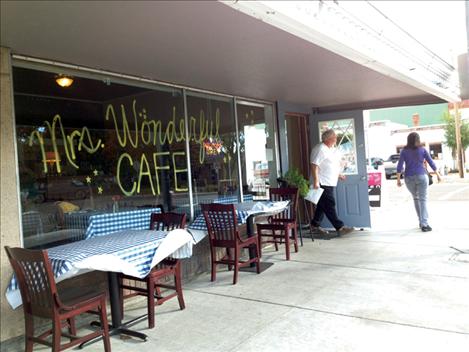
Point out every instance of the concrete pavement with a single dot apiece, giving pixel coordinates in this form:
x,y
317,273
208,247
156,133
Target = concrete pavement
x,y
391,288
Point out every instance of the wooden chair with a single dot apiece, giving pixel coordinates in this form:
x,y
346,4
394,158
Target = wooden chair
x,y
40,299
169,267
222,226
281,225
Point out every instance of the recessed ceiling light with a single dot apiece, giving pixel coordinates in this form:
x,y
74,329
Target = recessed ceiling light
x,y
64,81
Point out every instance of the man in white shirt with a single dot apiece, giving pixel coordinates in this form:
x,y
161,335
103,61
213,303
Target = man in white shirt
x,y
325,169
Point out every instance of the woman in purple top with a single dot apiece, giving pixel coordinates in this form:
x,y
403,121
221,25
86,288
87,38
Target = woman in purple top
x,y
416,179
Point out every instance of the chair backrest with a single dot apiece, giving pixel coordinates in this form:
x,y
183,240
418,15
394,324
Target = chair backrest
x,y
282,194
167,221
221,221
35,279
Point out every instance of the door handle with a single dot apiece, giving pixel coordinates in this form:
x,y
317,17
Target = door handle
x,y
363,178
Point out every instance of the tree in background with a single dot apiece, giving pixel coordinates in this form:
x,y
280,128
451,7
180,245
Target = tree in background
x,y
450,133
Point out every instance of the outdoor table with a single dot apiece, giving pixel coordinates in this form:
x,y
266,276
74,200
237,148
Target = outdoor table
x,y
132,252
98,223
246,213
79,219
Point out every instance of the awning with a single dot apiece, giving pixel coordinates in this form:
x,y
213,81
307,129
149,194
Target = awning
x,y
206,45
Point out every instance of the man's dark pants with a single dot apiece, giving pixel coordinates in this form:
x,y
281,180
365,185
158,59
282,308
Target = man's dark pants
x,y
326,206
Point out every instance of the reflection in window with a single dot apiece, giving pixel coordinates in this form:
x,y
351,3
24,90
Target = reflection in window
x,y
213,149
92,148
257,146
102,146
345,131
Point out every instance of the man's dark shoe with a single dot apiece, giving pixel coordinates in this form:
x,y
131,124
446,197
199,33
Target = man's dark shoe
x,y
426,228
345,230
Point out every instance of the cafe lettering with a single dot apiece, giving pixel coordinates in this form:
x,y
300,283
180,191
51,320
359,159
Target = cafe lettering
x,y
144,131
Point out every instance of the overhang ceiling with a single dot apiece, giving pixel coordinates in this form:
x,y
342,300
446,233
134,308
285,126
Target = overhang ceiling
x,y
206,45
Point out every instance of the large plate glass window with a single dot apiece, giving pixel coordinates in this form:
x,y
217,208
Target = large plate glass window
x,y
98,146
213,149
258,151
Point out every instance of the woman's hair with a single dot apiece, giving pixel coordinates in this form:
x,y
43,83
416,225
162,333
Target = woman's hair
x,y
413,140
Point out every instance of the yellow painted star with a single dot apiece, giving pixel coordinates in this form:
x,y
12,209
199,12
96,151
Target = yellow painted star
x,y
95,172
88,179
100,190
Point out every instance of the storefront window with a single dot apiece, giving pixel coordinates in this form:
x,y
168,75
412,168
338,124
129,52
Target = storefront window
x,y
213,149
257,146
103,145
94,147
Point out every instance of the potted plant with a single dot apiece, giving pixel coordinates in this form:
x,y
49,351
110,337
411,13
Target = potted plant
x,y
294,178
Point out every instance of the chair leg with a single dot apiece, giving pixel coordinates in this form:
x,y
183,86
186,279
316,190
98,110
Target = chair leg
x,y
29,332
275,241
259,245
295,238
105,327
158,291
236,265
177,283
151,303
229,257
72,329
287,243
258,261
72,326
214,266
56,334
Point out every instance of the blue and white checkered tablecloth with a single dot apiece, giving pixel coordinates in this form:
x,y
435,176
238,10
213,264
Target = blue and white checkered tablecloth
x,y
79,219
133,252
104,224
32,223
243,211
232,199
199,221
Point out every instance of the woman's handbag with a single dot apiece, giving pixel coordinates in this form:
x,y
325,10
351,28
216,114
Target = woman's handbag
x,y
430,178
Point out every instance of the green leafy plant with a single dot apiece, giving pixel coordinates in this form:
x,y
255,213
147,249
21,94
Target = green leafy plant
x,y
295,178
450,133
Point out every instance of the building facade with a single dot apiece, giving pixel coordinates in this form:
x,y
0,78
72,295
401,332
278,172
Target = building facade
x,y
172,103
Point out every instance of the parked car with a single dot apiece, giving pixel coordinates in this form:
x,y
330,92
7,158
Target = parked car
x,y
64,187
374,162
32,188
34,192
390,166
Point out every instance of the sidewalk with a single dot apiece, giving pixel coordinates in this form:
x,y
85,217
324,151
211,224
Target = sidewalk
x,y
454,178
393,288
380,290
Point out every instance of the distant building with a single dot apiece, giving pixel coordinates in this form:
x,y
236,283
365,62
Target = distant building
x,y
387,130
